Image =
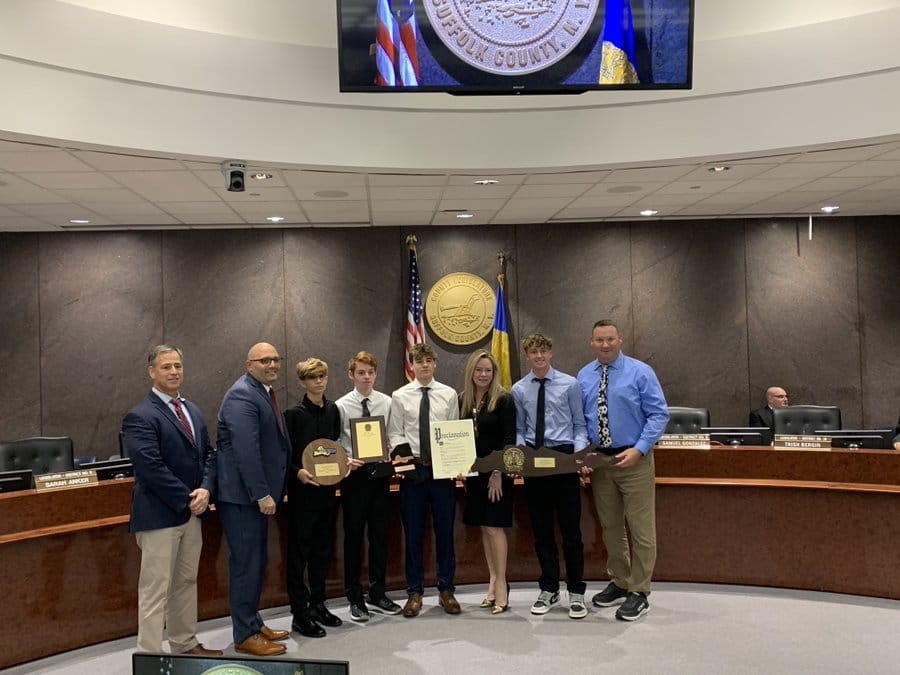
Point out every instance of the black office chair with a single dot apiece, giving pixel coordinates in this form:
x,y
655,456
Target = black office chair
x,y
687,420
805,419
41,454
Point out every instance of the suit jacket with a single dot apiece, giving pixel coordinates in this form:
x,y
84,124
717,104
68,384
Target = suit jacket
x,y
762,417
253,452
167,466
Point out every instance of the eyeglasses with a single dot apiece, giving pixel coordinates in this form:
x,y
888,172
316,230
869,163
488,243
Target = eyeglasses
x,y
266,360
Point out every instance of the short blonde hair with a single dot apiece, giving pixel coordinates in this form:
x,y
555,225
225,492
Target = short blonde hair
x,y
362,357
311,368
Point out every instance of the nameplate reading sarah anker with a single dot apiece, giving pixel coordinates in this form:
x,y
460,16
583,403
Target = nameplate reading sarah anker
x,y
452,448
368,439
65,480
326,460
511,38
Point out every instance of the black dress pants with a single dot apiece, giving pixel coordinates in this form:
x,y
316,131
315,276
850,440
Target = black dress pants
x,y
366,503
311,523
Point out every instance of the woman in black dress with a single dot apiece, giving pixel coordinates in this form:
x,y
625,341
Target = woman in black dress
x,y
489,495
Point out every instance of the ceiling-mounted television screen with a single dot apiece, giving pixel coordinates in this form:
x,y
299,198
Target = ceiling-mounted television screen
x,y
514,46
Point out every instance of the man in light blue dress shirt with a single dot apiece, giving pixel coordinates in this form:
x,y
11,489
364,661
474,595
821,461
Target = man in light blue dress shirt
x,y
634,415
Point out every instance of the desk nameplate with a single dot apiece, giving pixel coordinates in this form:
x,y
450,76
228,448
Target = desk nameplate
x,y
687,441
801,442
65,480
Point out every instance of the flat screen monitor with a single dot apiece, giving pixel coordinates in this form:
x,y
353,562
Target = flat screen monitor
x,y
736,436
522,47
854,439
14,481
183,664
109,469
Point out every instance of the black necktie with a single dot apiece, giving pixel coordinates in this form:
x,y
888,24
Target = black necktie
x,y
603,410
365,408
184,421
539,414
425,427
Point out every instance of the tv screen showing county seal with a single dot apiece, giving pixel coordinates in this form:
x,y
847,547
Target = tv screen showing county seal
x,y
514,46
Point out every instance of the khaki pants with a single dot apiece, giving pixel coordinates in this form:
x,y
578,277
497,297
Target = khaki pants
x,y
628,496
167,588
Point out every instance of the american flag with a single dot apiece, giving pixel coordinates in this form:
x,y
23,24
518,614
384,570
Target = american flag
x,y
396,58
415,325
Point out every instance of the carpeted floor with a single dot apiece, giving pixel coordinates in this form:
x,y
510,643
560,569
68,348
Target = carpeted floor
x,y
691,629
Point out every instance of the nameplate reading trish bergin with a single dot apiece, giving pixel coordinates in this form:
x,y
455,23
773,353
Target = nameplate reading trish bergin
x,y
65,480
688,441
801,442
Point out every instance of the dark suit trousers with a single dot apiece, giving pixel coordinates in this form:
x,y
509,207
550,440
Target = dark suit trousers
x,y
246,531
366,504
559,495
311,522
415,494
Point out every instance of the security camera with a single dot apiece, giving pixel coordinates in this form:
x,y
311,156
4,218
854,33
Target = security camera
x,y
234,175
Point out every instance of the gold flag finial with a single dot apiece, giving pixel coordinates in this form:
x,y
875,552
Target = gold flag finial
x,y
411,241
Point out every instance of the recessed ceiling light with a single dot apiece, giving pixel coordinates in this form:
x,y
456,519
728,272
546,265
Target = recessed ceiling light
x,y
261,175
274,219
829,209
465,215
486,181
79,221
718,169
649,212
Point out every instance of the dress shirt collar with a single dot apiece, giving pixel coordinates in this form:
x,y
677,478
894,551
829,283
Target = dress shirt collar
x,y
615,365
165,398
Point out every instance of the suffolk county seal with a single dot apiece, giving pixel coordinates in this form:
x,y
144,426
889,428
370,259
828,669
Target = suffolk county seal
x,y
460,308
511,37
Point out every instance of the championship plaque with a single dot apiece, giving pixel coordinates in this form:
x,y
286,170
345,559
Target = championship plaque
x,y
326,460
529,462
368,438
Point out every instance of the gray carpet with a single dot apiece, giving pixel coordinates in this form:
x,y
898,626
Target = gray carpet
x,y
691,628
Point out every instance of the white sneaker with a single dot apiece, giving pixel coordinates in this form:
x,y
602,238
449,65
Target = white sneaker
x,y
577,609
544,602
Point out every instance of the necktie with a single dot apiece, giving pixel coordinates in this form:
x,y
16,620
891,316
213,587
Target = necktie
x,y
278,416
179,412
425,427
365,408
539,414
603,410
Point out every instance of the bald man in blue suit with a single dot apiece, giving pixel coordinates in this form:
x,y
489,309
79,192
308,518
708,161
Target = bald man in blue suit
x,y
254,452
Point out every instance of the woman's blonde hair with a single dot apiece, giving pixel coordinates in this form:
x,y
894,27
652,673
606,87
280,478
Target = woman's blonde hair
x,y
494,392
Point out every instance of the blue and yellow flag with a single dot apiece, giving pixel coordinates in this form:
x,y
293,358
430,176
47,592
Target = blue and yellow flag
x,y
617,64
500,337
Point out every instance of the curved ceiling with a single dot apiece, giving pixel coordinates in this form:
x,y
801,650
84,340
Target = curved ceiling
x,y
217,79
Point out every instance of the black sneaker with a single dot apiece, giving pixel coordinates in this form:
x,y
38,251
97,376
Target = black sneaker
x,y
359,612
609,596
384,604
635,606
320,614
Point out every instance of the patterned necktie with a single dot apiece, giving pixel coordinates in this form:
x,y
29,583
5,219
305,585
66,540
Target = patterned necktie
x,y
425,426
278,416
179,412
539,413
603,410
365,408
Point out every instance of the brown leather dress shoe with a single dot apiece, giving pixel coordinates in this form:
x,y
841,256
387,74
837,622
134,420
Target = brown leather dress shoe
x,y
258,645
449,603
274,634
413,606
200,650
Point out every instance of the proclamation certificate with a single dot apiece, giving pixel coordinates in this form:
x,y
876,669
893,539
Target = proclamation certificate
x,y
452,448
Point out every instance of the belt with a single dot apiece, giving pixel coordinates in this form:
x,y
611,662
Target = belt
x,y
614,451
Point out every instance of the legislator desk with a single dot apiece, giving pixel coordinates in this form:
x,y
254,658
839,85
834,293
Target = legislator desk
x,y
795,519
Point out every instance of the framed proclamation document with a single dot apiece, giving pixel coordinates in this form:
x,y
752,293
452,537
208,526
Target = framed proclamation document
x,y
368,438
452,448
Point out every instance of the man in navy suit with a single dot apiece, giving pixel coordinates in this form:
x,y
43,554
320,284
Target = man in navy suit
x,y
253,451
174,472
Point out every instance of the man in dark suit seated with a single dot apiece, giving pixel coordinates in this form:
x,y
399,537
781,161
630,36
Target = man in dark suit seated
x,y
253,450
776,397
174,472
